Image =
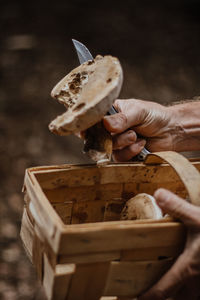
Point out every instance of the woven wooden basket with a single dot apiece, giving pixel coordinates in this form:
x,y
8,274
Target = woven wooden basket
x,y
72,233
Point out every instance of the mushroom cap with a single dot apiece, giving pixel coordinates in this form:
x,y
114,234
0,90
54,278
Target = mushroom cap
x,y
87,93
142,206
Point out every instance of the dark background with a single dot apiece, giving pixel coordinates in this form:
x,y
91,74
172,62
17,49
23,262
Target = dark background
x,y
158,45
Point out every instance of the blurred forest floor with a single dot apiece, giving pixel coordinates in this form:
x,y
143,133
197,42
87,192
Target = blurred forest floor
x,y
157,43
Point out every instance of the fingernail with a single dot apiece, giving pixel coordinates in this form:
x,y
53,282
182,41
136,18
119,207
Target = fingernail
x,y
158,192
141,143
109,122
111,118
131,136
106,118
115,123
161,196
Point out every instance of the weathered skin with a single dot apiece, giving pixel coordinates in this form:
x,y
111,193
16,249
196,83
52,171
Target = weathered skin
x,y
163,128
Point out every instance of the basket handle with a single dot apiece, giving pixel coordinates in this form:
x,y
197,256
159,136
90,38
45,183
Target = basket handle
x,y
188,174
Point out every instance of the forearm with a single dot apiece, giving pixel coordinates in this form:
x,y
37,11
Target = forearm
x,y
186,126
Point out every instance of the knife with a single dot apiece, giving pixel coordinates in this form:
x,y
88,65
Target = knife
x,y
85,55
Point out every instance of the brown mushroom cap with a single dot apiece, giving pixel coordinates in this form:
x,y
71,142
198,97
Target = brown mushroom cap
x,y
87,93
142,206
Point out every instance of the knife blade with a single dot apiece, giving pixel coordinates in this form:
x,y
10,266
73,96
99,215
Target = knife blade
x,y
85,55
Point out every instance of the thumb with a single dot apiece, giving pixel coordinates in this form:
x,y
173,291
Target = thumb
x,y
132,112
177,207
116,123
170,283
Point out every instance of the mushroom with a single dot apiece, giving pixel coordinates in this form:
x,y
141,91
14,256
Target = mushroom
x,y
88,92
142,206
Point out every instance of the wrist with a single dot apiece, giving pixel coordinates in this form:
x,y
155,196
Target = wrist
x,y
185,126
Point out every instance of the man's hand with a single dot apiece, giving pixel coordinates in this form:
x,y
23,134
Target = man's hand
x,y
160,128
182,281
136,119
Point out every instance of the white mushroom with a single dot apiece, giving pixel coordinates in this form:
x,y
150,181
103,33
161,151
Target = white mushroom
x,y
87,93
142,206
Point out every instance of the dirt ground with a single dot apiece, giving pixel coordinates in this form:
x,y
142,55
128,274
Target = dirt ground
x,y
157,43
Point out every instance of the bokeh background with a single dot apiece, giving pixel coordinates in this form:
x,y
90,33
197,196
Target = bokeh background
x,y
157,43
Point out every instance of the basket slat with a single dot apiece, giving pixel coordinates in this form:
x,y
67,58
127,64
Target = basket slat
x,y
127,237
131,278
56,282
88,281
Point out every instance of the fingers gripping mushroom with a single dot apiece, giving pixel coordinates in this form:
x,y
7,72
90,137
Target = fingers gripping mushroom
x,y
88,92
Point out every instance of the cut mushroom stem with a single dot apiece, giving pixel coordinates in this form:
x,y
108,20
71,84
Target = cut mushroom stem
x,y
98,144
